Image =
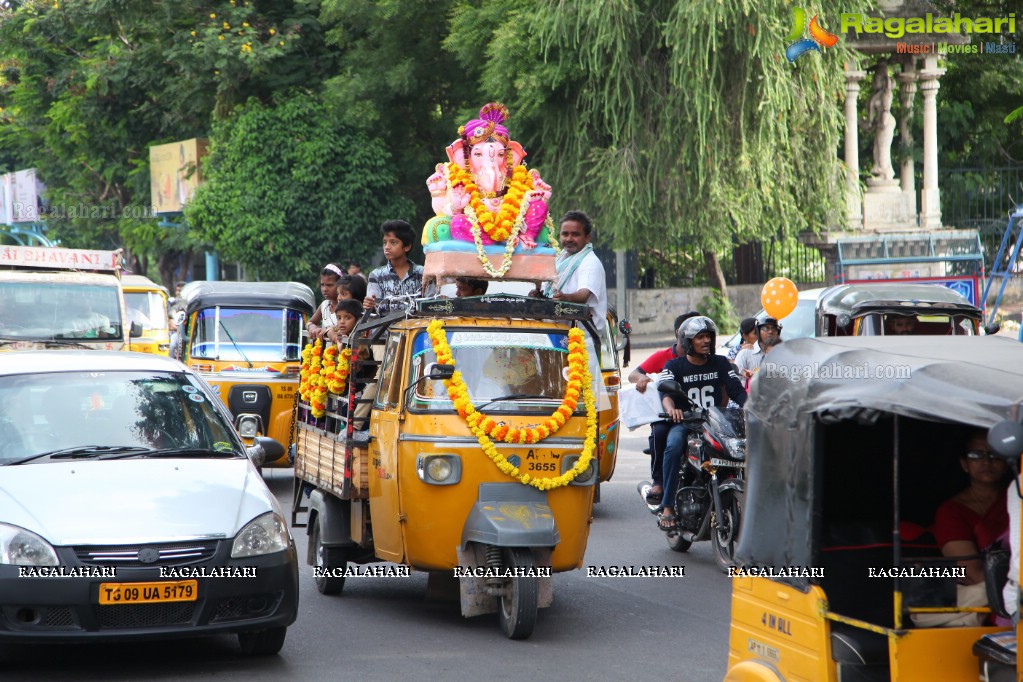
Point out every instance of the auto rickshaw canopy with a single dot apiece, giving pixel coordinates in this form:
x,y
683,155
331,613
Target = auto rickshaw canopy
x,y
293,295
808,384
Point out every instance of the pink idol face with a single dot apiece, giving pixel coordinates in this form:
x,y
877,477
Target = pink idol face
x,y
487,165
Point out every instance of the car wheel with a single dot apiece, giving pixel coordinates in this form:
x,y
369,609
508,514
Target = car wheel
x,y
327,559
262,642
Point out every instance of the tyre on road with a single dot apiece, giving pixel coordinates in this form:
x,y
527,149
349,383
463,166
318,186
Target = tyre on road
x,y
327,559
262,642
518,608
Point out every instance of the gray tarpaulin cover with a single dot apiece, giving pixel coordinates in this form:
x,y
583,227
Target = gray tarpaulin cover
x,y
808,382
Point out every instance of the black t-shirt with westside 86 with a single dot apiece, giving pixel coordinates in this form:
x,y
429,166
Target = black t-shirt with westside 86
x,y
707,384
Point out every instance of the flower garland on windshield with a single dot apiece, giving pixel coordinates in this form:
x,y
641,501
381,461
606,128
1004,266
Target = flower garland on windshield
x,y
486,428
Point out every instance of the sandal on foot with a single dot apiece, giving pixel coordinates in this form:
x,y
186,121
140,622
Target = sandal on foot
x,y
654,497
667,523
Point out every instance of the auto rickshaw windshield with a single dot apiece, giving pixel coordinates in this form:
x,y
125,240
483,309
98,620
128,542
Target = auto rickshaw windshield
x,y
253,334
148,308
495,366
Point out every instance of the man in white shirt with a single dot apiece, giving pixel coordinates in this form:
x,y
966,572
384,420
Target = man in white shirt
x,y
748,361
581,276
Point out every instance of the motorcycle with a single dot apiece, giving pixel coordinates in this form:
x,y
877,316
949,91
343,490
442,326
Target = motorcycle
x,y
709,505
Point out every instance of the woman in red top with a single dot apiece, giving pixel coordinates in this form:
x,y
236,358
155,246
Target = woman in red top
x,y
976,517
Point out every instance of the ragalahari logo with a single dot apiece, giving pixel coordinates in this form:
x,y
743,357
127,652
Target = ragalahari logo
x,y
818,36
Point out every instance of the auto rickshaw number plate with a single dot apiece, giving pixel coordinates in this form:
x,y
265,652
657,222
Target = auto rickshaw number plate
x,y
541,462
148,593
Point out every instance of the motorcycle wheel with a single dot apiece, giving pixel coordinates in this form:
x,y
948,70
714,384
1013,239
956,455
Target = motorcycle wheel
x,y
676,543
725,534
519,604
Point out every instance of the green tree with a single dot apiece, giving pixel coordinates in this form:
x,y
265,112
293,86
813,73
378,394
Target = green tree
x,y
666,118
398,84
289,189
86,86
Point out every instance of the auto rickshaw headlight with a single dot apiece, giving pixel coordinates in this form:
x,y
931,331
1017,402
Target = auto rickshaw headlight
x,y
587,477
248,425
439,469
264,534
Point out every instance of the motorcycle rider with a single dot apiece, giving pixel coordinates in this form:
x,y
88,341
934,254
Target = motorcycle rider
x,y
708,379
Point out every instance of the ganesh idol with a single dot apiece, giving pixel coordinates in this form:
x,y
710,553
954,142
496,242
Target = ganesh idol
x,y
485,197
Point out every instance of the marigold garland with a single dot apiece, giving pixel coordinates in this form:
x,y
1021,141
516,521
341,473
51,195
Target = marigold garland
x,y
513,206
485,428
336,378
310,385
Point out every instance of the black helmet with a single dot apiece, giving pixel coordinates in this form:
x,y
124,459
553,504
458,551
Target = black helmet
x,y
768,322
688,330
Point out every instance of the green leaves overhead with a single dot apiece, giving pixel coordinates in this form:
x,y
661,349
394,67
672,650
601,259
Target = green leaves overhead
x,y
288,189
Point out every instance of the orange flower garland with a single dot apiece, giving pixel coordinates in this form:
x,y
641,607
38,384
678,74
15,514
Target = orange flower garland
x,y
499,227
310,386
336,378
485,428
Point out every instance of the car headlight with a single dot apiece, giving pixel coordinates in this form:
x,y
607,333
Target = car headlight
x,y
587,477
439,469
20,547
264,534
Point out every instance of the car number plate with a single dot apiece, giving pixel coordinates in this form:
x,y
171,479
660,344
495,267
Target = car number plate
x,y
148,593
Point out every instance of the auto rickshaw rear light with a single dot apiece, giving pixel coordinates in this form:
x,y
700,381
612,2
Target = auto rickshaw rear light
x,y
613,380
587,477
293,370
202,368
439,469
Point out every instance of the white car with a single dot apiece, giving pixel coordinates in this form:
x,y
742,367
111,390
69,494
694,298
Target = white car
x,y
800,323
129,507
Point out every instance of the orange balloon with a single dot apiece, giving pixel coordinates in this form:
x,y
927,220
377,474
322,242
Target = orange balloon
x,y
779,297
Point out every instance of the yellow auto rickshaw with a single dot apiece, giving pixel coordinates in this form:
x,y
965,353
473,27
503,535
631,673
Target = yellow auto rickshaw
x,y
245,339
611,372
146,303
853,444
497,502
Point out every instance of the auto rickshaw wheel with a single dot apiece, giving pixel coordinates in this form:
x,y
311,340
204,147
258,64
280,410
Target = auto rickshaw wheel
x,y
726,533
518,607
330,559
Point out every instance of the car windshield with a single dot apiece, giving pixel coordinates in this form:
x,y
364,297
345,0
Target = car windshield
x,y
520,371
44,310
59,410
148,308
253,334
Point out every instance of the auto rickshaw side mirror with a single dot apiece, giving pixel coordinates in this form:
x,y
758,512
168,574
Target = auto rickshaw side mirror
x,y
435,371
264,450
992,329
135,331
1006,439
625,327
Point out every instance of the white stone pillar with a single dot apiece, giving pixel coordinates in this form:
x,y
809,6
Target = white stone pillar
x,y
930,204
907,93
854,206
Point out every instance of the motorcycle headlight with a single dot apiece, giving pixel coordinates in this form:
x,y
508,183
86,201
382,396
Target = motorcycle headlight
x,y
20,547
736,447
264,534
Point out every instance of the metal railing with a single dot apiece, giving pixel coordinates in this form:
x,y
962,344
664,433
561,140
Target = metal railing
x,y
981,199
676,264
